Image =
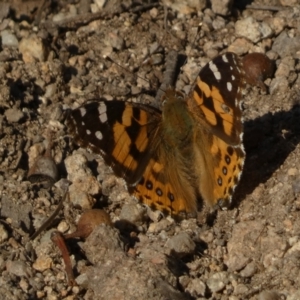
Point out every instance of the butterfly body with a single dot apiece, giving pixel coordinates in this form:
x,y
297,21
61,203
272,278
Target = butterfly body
x,y
189,150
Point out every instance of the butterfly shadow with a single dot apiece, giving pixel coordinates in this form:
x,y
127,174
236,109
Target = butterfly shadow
x,y
268,141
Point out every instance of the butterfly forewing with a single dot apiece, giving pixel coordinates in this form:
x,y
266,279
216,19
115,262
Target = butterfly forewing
x,y
217,94
121,132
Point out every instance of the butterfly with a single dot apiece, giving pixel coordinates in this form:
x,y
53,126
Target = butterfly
x,y
173,159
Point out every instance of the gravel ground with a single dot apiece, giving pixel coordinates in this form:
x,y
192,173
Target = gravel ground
x,y
52,58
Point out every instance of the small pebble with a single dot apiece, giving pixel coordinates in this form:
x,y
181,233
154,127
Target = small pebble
x,y
81,199
241,289
249,270
24,285
3,234
82,280
269,295
115,41
252,29
100,3
18,268
196,288
217,281
292,296
181,244
33,49
76,166
133,213
292,171
285,45
221,7
63,226
13,115
42,263
9,39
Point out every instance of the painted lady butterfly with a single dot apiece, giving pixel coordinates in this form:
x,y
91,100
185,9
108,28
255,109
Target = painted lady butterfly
x,y
192,149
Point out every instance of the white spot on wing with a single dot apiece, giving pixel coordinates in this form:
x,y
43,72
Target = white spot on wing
x,y
103,117
215,70
233,77
102,108
99,135
224,57
102,112
82,111
88,132
229,86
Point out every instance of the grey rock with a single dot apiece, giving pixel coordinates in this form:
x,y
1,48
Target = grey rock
x,y
9,39
196,287
133,213
181,244
13,115
17,213
18,268
252,30
217,281
221,7
271,295
285,45
249,270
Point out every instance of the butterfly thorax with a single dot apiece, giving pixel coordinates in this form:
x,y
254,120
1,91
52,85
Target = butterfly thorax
x,y
177,122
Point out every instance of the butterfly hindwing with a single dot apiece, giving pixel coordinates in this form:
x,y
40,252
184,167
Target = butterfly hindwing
x,y
166,186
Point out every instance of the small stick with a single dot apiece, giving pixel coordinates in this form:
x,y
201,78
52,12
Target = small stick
x,y
58,239
266,7
49,221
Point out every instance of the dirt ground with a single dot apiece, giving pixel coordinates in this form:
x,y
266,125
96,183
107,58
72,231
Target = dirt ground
x,y
53,57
